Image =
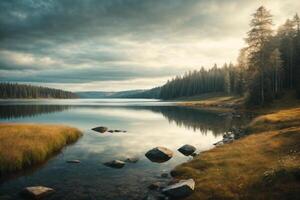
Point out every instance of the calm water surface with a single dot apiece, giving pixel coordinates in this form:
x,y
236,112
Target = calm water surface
x,y
149,123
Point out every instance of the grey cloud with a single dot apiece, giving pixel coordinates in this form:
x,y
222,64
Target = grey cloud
x,y
111,73
84,37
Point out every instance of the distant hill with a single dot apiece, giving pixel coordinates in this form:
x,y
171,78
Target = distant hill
x,y
25,91
152,93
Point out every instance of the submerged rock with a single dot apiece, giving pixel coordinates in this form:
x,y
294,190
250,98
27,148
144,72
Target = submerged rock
x,y
164,175
155,197
73,161
116,131
194,154
37,192
155,186
181,189
219,143
159,154
100,129
187,150
115,164
132,160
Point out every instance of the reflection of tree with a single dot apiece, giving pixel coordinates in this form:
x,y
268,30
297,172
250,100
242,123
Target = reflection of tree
x,y
196,119
16,111
190,118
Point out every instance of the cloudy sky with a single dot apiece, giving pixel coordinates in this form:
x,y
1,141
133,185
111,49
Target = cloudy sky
x,y
112,45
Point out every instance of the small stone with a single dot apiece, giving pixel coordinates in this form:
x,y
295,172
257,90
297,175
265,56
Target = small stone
x,y
194,154
187,149
164,175
154,186
111,131
73,161
132,160
219,143
181,189
100,129
115,164
37,192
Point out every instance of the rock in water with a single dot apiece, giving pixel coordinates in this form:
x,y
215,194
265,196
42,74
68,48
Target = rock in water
x,y
154,186
100,129
132,160
164,175
181,189
37,192
73,161
187,150
159,154
115,164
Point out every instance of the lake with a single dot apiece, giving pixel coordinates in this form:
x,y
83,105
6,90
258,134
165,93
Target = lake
x,y
149,123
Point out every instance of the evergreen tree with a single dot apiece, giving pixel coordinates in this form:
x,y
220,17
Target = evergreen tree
x,y
14,90
258,37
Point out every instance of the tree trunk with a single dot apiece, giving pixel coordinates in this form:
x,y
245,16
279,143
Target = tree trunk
x,y
276,81
262,89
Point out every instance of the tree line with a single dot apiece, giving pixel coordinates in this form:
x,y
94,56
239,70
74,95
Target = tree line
x,y
15,90
268,65
224,79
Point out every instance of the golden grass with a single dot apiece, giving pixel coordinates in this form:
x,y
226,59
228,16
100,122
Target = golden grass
x,y
23,145
278,120
264,165
215,102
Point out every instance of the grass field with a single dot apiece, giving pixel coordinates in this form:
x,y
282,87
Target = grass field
x,y
263,165
23,145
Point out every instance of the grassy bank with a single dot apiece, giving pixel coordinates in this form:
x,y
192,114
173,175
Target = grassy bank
x,y
216,102
263,165
23,145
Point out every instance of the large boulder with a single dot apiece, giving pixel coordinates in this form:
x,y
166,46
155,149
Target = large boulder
x,y
181,189
187,150
37,192
100,129
115,164
159,154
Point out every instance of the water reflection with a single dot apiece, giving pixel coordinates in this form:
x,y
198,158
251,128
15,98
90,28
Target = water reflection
x,y
197,119
20,111
191,118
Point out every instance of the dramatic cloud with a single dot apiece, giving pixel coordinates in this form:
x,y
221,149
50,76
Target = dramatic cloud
x,y
121,44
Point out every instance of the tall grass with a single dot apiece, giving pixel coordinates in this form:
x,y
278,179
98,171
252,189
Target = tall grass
x,y
23,145
264,165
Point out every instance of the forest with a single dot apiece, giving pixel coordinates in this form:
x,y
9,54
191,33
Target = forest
x,y
15,90
266,67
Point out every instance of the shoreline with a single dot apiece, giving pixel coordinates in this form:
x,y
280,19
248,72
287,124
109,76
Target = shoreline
x,y
239,169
